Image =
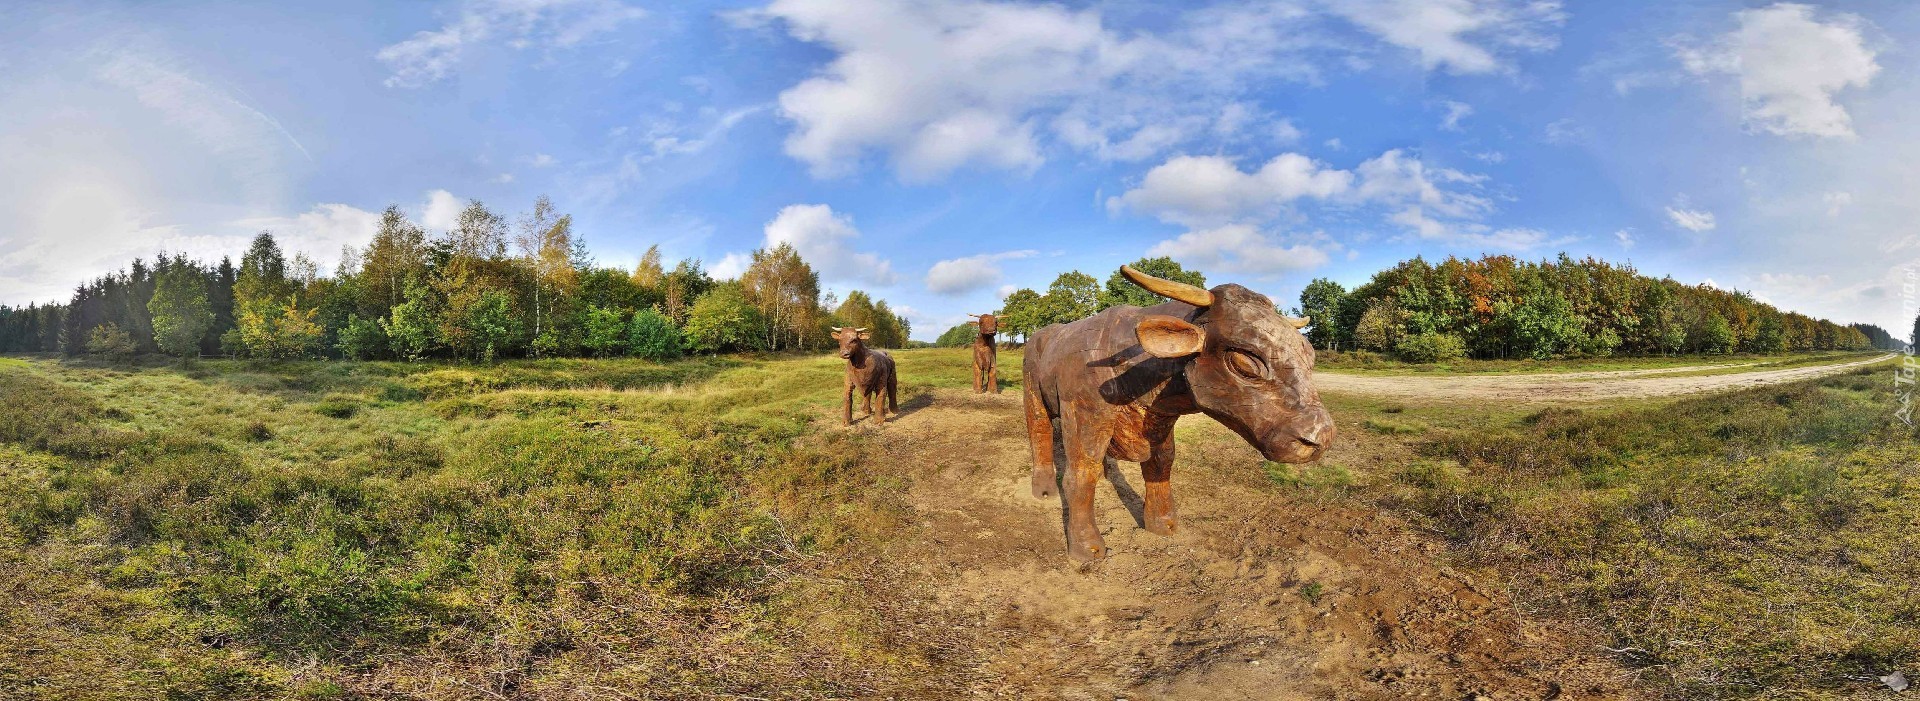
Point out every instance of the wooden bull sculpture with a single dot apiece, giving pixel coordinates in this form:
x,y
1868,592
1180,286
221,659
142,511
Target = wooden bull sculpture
x,y
986,375
869,370
1116,381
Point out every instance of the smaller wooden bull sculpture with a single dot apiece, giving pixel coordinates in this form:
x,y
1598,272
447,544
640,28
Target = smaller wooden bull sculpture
x,y
868,370
986,374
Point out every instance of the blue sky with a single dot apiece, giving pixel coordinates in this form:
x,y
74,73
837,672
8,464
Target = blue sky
x,y
939,153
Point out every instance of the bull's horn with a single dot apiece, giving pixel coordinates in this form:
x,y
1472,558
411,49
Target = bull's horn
x,y
976,316
862,329
836,329
1178,291
1301,322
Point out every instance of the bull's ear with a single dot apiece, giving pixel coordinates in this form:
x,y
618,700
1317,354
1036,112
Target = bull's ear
x,y
864,335
1167,337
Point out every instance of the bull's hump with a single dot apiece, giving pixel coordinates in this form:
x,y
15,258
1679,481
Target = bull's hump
x,y
1111,329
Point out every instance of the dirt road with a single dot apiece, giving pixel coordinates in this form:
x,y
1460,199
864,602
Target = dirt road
x,y
1262,595
1570,386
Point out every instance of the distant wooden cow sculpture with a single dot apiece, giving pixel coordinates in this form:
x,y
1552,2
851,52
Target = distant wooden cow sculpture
x,y
1119,379
869,370
986,373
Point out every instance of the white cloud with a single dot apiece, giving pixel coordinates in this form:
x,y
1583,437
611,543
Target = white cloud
x,y
961,275
1211,190
541,160
1695,220
1285,133
1790,65
1395,177
938,85
319,232
430,56
824,239
501,179
1456,111
441,212
731,266
1488,156
1239,248
1203,192
1460,36
1625,237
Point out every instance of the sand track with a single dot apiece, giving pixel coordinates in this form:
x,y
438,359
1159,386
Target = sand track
x,y
1570,386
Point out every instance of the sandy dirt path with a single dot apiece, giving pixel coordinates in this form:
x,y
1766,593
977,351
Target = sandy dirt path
x,y
1264,594
1568,387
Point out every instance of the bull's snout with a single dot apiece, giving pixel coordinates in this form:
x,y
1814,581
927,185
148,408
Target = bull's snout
x,y
1303,440
846,355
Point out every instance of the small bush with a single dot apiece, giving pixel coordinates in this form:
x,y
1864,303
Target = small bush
x,y
653,336
1431,348
338,406
1392,428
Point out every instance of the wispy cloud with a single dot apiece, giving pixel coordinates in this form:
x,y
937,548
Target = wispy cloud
x,y
430,56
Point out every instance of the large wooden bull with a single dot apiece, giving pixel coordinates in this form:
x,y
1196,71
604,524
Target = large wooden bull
x,y
869,370
986,355
1116,381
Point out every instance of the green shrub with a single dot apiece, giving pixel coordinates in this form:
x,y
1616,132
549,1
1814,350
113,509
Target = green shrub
x,y
362,339
109,340
1431,348
653,336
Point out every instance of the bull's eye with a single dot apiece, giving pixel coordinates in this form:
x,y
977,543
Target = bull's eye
x,y
1247,365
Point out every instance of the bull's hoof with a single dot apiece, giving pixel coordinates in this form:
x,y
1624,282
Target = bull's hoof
x,y
1162,526
1043,484
1085,553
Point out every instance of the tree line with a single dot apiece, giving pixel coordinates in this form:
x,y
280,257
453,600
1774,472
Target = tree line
x,y
1503,307
1494,307
485,289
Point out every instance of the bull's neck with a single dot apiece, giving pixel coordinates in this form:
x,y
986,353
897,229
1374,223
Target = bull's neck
x,y
983,341
859,359
1159,384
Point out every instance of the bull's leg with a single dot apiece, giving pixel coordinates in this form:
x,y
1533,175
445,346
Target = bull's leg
x,y
1040,438
1086,444
993,378
1157,471
893,394
879,417
866,400
846,407
977,387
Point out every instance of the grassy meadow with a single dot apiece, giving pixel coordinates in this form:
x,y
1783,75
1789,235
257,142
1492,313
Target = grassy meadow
x,y
1763,543
621,528
543,528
